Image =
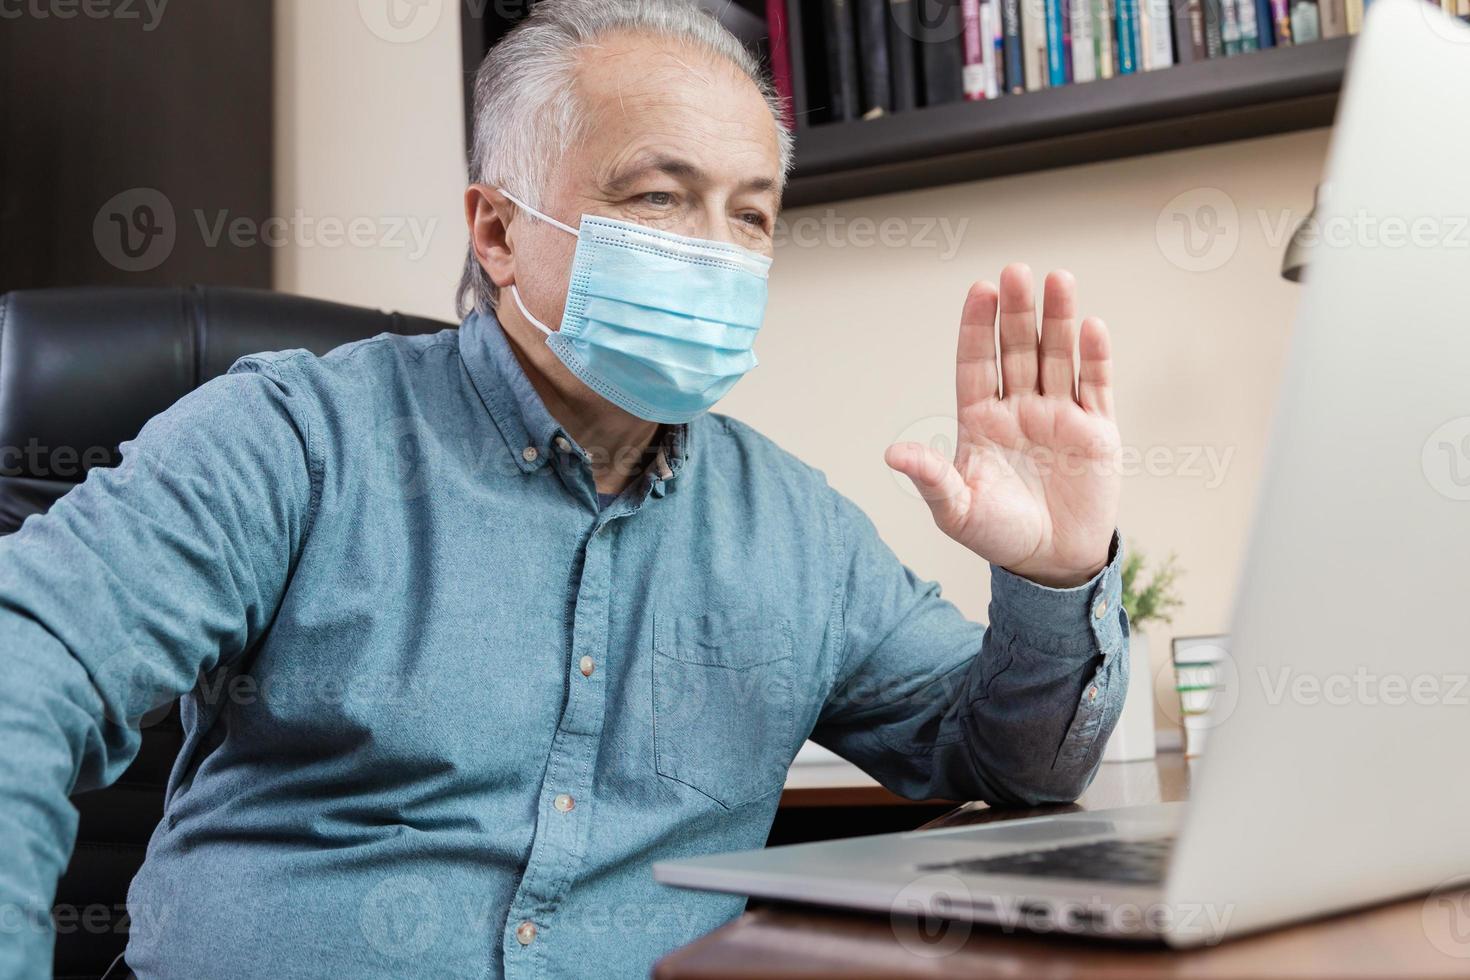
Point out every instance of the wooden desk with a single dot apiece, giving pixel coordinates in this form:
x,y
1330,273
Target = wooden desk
x,y
775,941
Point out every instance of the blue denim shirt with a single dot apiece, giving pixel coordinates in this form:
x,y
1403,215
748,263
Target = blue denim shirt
x,y
442,711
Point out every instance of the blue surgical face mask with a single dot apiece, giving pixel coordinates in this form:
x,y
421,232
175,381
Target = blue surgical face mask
x,y
658,324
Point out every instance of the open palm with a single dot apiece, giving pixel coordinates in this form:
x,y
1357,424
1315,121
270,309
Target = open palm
x,y
1033,485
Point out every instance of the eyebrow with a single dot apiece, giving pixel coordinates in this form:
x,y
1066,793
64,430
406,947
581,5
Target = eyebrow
x,y
680,168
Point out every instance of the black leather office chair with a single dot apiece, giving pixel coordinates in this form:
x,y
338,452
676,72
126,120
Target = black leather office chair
x,y
81,370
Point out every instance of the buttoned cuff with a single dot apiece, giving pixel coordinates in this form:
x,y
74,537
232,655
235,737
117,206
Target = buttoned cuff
x,y
1084,619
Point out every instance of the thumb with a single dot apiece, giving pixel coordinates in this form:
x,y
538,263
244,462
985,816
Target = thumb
x,y
936,479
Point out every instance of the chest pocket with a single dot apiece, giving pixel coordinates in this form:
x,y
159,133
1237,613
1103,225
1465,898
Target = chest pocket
x,y
723,703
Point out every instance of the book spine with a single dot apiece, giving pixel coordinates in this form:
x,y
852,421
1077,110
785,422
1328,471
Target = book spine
x,y
1127,36
1189,31
943,58
1084,50
781,60
1010,23
1249,35
1281,22
1102,36
1160,35
1265,24
842,71
995,82
1305,27
1333,14
1230,27
1354,15
1214,15
872,36
1056,67
1066,6
1033,40
902,29
974,46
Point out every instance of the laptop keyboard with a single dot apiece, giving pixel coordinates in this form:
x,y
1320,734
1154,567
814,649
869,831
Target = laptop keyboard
x,y
1134,862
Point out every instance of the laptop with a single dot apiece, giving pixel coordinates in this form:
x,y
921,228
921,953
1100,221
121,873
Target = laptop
x,y
1336,770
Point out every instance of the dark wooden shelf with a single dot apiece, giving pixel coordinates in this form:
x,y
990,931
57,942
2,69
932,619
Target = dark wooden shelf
x,y
1258,94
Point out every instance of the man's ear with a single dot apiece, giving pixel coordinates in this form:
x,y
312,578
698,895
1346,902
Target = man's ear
x,y
487,212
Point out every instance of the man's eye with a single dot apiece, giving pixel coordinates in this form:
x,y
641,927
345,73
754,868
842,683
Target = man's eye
x,y
753,218
659,199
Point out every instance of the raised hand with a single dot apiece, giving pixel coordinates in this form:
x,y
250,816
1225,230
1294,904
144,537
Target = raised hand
x,y
1033,486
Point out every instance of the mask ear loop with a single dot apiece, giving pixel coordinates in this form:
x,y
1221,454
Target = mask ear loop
x,y
515,293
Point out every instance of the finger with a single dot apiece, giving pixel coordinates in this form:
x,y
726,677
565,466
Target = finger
x,y
1095,381
977,376
1058,335
1017,330
936,479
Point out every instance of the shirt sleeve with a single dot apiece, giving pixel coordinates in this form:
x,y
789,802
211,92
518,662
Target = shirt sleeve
x,y
937,707
113,603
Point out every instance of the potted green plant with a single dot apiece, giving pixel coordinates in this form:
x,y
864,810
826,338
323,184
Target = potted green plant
x,y
1148,596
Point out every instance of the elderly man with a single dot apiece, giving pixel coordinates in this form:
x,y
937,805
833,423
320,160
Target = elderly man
x,y
470,628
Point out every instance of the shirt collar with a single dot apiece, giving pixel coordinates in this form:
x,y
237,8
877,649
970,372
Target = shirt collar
x,y
529,430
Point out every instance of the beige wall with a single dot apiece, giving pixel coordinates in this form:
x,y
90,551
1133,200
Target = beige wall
x,y
369,129
858,346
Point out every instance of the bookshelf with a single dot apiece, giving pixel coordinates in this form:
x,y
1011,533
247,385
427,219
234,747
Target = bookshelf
x,y
1259,93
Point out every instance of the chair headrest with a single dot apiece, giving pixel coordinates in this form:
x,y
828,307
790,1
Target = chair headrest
x,y
81,370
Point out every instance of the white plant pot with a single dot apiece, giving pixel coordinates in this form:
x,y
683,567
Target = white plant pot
x,y
1134,737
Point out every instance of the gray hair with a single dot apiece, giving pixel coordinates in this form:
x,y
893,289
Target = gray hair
x,y
526,116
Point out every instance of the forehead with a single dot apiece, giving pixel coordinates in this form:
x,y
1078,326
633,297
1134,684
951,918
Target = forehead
x,y
645,94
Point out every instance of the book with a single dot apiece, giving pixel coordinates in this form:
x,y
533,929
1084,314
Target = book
x,y
1281,22
1010,28
941,56
873,69
781,60
1103,32
973,76
1230,27
842,66
1066,6
995,82
1189,31
1127,36
1056,67
1033,43
1305,27
1354,15
1265,24
1214,15
903,27
1084,48
1332,17
1160,41
1249,36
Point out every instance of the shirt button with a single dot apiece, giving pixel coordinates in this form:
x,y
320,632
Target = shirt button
x,y
1099,609
563,445
529,454
1092,693
587,666
563,802
526,933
